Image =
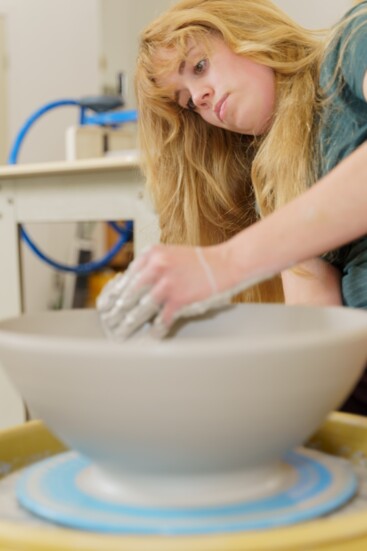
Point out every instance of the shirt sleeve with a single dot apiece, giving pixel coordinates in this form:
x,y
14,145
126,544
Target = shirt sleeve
x,y
353,51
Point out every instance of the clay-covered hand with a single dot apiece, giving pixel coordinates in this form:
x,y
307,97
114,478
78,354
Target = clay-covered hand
x,y
164,284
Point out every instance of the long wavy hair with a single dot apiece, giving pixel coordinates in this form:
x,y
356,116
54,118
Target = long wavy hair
x,y
208,183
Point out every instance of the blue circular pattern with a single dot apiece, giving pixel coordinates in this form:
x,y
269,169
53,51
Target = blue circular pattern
x,y
48,489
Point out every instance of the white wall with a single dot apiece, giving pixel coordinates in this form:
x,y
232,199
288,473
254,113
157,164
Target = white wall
x,y
122,20
53,51
121,23
315,14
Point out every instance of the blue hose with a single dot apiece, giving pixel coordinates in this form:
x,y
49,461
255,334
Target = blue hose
x,y
13,156
87,267
125,233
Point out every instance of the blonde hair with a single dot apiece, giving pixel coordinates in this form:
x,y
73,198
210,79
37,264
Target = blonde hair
x,y
208,183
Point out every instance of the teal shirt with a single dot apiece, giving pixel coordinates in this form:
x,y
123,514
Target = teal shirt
x,y
343,129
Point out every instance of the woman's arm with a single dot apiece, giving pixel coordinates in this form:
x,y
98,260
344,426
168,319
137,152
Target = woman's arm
x,y
173,281
168,281
330,214
314,282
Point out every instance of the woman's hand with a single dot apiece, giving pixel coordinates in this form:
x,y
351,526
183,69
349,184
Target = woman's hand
x,y
167,283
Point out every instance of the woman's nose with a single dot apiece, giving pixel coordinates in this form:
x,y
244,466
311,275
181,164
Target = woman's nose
x,y
202,96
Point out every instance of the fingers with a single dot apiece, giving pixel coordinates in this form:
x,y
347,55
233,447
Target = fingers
x,y
126,302
128,323
127,307
117,285
110,292
165,321
165,283
159,329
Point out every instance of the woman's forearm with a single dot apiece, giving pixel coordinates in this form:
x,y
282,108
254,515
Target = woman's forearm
x,y
330,214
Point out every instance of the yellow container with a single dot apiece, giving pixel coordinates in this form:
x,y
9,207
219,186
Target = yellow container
x,y
342,434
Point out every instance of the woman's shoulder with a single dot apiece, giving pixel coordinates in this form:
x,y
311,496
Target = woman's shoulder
x,y
347,50
352,27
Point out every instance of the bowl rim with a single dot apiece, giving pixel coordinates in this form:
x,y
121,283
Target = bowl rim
x,y
189,346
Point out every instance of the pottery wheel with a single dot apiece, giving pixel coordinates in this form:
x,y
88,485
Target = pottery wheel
x,y
314,485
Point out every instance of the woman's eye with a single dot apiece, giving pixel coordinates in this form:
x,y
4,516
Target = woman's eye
x,y
200,67
190,105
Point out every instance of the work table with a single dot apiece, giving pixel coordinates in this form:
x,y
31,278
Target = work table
x,y
109,188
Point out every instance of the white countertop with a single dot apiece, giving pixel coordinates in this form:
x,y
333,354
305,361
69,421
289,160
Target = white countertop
x,y
104,164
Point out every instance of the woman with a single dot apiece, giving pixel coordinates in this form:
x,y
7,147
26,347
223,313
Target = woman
x,y
252,131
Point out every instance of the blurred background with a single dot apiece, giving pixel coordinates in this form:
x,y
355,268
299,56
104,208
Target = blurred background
x,y
54,49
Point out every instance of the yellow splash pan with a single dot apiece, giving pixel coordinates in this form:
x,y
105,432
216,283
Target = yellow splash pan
x,y
342,434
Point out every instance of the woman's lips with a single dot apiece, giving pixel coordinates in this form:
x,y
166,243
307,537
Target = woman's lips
x,y
218,109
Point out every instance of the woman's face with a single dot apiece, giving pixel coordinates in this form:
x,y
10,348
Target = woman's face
x,y
225,89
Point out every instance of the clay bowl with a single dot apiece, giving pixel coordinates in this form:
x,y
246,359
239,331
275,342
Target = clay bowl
x,y
230,392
